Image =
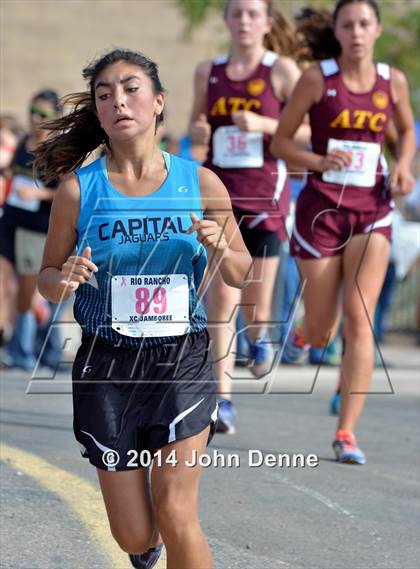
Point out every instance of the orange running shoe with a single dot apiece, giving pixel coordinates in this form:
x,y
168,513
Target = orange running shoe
x,y
346,449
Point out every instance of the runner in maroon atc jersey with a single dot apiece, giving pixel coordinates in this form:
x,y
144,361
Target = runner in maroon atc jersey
x,y
342,232
238,99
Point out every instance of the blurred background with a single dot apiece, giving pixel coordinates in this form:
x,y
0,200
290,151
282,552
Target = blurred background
x,y
45,44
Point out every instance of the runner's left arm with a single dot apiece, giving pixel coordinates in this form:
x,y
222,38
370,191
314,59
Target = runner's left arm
x,y
199,128
219,233
401,179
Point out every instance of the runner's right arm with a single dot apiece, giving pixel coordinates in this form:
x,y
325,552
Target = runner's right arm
x,y
199,128
62,272
28,193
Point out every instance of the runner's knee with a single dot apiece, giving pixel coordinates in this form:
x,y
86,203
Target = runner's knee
x,y
358,325
174,512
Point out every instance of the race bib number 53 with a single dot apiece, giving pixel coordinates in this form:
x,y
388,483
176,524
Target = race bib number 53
x,y
363,167
150,305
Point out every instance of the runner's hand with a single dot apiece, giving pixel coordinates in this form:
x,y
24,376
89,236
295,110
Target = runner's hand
x,y
247,121
200,130
209,233
26,193
335,160
401,180
77,270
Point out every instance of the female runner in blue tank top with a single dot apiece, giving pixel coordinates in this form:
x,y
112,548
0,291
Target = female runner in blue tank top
x,y
342,230
142,378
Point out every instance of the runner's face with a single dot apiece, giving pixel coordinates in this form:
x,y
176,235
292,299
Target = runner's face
x,y
357,29
247,22
125,102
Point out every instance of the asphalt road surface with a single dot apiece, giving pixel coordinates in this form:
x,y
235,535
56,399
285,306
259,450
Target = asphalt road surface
x,y
330,516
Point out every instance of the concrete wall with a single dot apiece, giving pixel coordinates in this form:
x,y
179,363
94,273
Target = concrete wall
x,y
46,43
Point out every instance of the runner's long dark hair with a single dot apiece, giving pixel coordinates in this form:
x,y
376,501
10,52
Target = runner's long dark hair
x,y
341,3
315,27
77,134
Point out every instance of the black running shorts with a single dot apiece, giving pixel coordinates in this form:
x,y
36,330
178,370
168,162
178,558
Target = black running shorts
x,y
261,243
127,400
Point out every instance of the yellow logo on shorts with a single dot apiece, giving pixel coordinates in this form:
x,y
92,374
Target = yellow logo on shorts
x,y
256,87
380,99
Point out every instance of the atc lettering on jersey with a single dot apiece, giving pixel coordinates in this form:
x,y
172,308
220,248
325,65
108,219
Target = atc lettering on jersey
x,y
226,106
141,229
360,119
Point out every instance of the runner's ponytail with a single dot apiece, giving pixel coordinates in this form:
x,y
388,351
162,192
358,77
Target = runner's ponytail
x,y
72,138
282,38
77,134
315,29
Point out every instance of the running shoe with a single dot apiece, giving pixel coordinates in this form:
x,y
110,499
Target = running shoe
x,y
335,403
296,348
325,357
146,560
226,417
260,357
346,449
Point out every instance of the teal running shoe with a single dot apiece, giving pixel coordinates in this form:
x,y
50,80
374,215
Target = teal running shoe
x,y
335,403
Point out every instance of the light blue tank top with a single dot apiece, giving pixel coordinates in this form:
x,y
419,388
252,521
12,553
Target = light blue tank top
x,y
138,236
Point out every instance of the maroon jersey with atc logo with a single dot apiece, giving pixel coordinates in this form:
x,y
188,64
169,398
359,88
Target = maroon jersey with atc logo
x,y
359,119
256,181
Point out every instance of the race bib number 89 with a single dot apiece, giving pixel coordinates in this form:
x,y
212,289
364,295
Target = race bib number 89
x,y
363,167
150,305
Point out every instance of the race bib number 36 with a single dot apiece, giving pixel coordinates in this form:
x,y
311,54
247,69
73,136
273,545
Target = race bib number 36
x,y
233,148
150,305
363,167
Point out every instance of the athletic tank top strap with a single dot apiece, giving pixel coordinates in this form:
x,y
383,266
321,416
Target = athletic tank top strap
x,y
269,58
88,177
221,59
383,70
329,67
